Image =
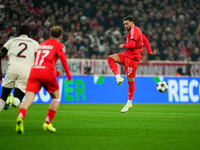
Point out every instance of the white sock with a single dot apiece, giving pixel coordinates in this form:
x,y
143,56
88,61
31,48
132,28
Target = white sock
x,y
1,104
117,75
16,102
129,102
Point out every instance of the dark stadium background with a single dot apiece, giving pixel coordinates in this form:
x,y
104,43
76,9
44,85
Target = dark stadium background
x,y
94,29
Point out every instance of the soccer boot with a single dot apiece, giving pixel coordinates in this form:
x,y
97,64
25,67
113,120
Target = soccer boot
x,y
120,80
9,102
126,108
49,127
19,125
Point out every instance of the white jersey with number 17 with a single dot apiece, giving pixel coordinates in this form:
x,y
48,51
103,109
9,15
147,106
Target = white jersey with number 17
x,y
21,54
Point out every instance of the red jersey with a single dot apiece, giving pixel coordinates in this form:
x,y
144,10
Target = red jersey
x,y
134,43
46,57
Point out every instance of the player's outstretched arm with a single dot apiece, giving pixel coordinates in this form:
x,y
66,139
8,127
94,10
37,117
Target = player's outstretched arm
x,y
63,60
147,45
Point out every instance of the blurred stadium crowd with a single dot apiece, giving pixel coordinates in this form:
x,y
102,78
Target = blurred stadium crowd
x,y
94,29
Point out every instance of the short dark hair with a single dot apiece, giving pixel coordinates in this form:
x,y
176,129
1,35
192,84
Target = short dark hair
x,y
130,18
24,29
56,31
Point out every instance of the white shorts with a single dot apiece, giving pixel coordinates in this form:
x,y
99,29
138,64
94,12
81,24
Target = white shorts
x,y
12,80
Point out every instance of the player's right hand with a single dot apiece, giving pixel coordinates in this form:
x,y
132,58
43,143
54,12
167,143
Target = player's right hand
x,y
69,77
121,46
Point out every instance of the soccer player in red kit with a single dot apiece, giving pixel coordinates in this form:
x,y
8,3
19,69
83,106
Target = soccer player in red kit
x,y
43,74
130,58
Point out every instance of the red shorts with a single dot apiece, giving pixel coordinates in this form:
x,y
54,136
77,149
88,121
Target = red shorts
x,y
130,65
35,84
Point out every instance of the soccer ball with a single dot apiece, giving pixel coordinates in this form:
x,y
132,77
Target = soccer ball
x,y
162,86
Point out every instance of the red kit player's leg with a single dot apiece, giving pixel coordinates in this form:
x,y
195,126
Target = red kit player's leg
x,y
53,106
52,109
131,89
22,113
130,67
113,65
112,60
52,87
50,115
30,96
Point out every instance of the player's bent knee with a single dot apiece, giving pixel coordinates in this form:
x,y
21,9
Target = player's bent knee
x,y
114,57
55,95
109,58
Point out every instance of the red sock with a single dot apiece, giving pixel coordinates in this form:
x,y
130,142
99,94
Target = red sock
x,y
113,65
22,113
131,89
50,115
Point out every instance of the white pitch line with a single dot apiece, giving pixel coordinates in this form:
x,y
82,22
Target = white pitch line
x,y
130,112
134,113
118,112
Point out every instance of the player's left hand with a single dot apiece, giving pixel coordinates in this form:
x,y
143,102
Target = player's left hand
x,y
69,77
121,46
152,53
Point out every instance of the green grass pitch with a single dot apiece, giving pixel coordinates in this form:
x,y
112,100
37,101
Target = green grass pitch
x,y
103,127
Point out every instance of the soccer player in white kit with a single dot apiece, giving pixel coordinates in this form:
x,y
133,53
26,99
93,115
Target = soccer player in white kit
x,y
21,53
